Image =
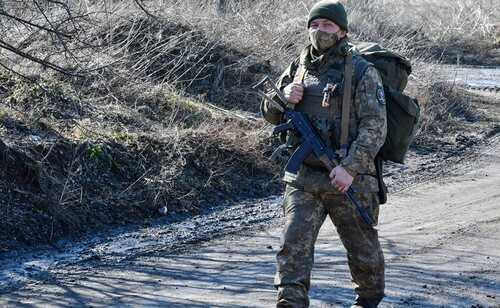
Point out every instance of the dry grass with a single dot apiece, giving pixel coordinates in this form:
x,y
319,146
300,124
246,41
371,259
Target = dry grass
x,y
128,107
94,163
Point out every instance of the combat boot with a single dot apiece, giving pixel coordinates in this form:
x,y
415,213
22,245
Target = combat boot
x,y
366,302
292,297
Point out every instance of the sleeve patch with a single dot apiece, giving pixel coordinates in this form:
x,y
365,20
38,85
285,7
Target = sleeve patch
x,y
380,94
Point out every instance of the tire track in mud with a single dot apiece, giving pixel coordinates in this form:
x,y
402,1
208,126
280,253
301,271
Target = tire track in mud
x,y
454,235
434,167
175,234
444,253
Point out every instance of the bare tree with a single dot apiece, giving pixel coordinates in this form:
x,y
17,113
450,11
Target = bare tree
x,y
59,35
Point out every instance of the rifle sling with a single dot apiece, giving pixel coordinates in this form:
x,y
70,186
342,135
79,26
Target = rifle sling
x,y
346,103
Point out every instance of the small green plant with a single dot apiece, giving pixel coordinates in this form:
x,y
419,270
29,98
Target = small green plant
x,y
169,101
37,167
98,155
126,137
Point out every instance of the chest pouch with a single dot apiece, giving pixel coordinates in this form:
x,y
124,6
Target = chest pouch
x,y
330,91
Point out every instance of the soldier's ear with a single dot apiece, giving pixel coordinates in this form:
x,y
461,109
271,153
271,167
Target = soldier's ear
x,y
342,33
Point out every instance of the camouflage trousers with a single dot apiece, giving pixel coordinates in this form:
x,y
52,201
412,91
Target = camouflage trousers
x,y
305,212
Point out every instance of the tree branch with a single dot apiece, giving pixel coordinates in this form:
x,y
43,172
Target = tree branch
x,y
145,10
17,73
44,63
63,43
2,12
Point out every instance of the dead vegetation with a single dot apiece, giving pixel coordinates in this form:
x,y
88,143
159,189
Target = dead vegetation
x,y
111,110
71,164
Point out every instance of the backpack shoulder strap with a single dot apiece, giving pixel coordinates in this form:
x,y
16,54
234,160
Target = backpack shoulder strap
x,y
360,66
299,74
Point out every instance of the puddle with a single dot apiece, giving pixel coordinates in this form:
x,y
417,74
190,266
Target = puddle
x,y
473,76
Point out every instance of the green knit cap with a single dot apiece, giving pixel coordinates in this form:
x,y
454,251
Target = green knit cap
x,y
329,9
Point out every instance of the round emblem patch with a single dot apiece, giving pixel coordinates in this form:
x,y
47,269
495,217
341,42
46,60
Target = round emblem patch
x,y
380,94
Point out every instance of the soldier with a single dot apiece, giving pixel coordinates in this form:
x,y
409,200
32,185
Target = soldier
x,y
314,193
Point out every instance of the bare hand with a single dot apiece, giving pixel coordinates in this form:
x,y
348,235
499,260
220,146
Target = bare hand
x,y
294,92
341,179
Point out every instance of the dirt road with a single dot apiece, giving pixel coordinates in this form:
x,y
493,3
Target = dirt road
x,y
441,240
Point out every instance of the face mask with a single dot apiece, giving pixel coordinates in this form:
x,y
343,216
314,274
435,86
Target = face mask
x,y
322,41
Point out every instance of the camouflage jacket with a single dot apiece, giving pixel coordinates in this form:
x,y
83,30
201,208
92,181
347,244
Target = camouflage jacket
x,y
367,119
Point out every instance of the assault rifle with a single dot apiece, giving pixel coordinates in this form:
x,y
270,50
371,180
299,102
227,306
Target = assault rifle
x,y
310,141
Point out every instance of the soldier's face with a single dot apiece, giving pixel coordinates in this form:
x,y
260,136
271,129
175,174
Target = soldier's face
x,y
326,25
